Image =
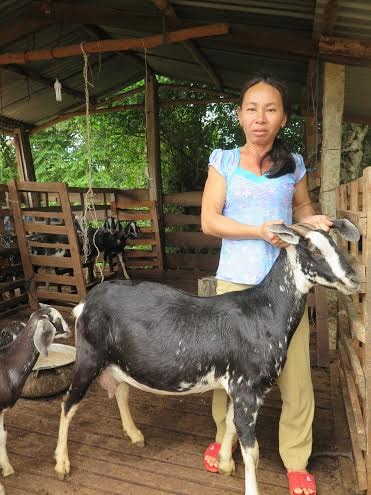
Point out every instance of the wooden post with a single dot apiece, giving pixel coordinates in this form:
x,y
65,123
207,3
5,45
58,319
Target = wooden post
x,y
367,313
332,112
153,148
26,169
24,155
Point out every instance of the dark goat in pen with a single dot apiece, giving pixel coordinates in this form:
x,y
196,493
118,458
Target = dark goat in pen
x,y
110,240
23,344
165,341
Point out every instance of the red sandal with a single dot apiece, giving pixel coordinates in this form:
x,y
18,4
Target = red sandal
x,y
213,451
298,479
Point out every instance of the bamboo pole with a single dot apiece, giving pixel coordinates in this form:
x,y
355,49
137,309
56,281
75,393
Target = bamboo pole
x,y
102,46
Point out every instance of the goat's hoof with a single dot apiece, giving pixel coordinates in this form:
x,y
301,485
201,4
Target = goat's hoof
x,y
62,470
139,443
228,468
8,471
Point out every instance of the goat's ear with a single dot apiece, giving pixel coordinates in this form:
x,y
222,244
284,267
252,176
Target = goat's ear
x,y
44,306
346,229
44,336
285,233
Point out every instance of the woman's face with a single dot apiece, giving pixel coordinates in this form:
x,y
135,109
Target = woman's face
x,y
261,114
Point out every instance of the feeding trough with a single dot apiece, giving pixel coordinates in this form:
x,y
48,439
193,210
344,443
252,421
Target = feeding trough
x,y
51,374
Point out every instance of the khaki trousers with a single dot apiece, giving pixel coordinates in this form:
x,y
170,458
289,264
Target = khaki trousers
x,y
295,384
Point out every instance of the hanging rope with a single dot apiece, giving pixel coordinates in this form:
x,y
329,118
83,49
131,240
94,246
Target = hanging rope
x,y
89,208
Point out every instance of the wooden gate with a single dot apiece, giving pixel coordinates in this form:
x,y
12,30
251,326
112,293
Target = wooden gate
x,y
51,277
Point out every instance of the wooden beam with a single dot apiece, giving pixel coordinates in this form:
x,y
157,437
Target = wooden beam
x,y
333,105
32,75
351,49
79,113
329,17
168,10
104,46
101,34
24,155
21,28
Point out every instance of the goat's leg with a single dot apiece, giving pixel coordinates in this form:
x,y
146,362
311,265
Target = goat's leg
x,y
2,489
245,419
4,461
122,397
226,463
123,266
86,370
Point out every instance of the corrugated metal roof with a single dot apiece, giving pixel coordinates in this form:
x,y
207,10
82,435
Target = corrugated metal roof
x,y
353,18
30,99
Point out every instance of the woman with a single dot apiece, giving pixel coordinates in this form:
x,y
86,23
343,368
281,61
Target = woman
x,y
246,191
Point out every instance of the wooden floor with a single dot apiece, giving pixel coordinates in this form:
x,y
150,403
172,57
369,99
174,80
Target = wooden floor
x,y
176,430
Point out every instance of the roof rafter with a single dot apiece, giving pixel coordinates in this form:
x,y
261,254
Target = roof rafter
x,y
168,11
21,28
104,46
329,17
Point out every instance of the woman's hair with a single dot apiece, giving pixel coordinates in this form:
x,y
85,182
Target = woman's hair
x,y
280,156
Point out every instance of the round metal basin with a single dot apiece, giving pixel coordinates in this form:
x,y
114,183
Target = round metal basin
x,y
51,375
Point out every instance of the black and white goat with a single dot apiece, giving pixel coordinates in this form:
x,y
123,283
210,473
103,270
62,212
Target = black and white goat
x,y
17,358
110,239
165,341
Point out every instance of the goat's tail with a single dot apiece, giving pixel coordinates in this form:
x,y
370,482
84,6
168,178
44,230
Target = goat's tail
x,y
77,310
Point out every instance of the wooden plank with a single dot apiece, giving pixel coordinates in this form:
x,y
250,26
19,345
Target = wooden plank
x,y
22,242
46,187
346,346
126,216
54,261
359,461
171,220
48,212
44,228
192,198
51,245
191,240
356,325
55,279
341,432
58,296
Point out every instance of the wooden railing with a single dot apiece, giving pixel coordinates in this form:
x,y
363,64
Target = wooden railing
x,y
12,281
186,247
354,323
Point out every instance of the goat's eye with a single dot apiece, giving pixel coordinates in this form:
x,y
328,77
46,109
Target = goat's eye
x,y
316,252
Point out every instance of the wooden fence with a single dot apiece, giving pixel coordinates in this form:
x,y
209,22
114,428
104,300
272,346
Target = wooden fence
x,y
354,314
12,281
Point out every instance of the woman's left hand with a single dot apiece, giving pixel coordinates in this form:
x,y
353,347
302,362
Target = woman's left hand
x,y
318,221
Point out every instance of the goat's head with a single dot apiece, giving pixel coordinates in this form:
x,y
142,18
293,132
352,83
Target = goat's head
x,y
111,225
131,230
50,324
315,257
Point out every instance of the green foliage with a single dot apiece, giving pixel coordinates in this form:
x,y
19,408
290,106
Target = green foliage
x,y
8,163
188,134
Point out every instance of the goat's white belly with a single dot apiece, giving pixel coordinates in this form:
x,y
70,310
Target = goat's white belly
x,y
206,383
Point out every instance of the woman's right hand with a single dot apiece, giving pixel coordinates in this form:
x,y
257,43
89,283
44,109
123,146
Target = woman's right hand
x,y
267,235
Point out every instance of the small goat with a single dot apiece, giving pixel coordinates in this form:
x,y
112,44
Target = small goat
x,y
110,239
17,358
165,341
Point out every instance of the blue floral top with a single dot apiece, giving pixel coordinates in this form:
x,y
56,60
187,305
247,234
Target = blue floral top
x,y
253,200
